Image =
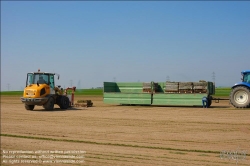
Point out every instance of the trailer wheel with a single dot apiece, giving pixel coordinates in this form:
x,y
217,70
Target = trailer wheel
x,y
64,104
29,107
240,97
49,105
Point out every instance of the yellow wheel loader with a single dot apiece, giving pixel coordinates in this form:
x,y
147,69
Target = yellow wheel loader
x,y
41,90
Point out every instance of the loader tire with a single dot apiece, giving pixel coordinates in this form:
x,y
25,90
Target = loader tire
x,y
64,104
240,97
49,105
29,107
58,100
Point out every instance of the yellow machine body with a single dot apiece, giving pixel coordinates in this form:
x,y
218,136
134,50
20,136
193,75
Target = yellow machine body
x,y
41,90
35,91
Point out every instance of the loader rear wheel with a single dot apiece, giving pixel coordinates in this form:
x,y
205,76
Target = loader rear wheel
x,y
49,105
240,97
64,104
29,107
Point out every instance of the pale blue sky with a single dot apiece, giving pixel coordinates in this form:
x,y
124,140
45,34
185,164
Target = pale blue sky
x,y
92,42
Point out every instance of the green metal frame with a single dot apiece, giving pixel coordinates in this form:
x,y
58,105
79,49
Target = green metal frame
x,y
132,93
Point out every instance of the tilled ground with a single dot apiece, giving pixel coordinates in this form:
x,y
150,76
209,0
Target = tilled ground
x,y
125,135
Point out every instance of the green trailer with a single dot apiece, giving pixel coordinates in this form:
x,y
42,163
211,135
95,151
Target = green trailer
x,y
158,93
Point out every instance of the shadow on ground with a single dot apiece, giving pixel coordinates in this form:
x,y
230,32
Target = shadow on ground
x,y
59,109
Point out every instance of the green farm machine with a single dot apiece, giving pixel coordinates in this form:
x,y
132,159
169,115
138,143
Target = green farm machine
x,y
158,93
174,93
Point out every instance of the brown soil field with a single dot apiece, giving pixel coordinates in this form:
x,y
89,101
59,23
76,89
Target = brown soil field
x,y
124,135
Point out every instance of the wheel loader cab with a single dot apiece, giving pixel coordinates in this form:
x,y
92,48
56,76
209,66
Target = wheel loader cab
x,y
39,85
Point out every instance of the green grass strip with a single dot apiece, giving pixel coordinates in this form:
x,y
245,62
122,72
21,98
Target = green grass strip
x,y
94,92
12,93
112,144
223,92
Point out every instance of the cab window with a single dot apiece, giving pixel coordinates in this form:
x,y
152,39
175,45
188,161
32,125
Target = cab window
x,y
247,78
51,80
30,79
